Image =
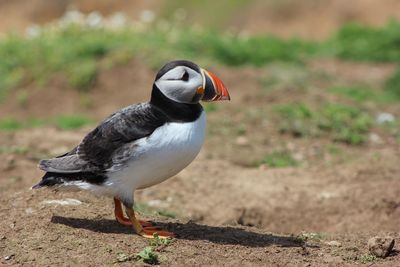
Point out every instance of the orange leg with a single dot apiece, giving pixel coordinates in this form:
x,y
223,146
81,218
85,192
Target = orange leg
x,y
146,231
119,215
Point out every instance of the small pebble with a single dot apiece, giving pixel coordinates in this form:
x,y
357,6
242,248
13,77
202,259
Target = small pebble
x,y
242,141
384,117
333,243
62,202
9,257
147,16
29,210
380,246
375,139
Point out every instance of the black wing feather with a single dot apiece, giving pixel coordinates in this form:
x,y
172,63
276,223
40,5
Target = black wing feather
x,y
96,151
125,126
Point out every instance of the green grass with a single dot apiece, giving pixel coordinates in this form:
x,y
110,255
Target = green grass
x,y
279,159
296,119
392,85
210,107
347,124
287,75
122,257
157,241
148,255
80,53
74,51
10,124
341,123
362,43
64,122
146,210
304,237
367,258
259,50
362,93
68,122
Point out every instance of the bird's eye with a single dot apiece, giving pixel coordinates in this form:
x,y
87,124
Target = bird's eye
x,y
185,76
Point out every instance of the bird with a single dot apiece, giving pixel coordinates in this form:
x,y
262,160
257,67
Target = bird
x,y
142,144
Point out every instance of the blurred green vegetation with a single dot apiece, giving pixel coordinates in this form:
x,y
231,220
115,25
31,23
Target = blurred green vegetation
x,y
65,122
80,53
146,210
279,159
362,93
362,43
10,124
392,85
340,122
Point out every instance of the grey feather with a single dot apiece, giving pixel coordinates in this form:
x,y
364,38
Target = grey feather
x,y
66,164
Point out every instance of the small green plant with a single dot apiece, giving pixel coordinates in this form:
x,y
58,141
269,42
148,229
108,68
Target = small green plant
x,y
367,258
35,122
68,122
392,85
362,93
333,149
310,236
343,123
279,159
10,124
122,257
22,98
146,210
347,124
148,255
83,75
167,213
357,93
296,119
157,241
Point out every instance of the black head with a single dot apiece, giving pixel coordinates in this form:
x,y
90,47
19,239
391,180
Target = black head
x,y
185,82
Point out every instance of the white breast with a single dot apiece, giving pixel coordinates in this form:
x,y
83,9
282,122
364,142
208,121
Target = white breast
x,y
168,150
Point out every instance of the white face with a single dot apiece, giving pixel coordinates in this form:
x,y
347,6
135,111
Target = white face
x,y
180,84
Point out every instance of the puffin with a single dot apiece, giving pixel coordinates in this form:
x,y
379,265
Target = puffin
x,y
141,145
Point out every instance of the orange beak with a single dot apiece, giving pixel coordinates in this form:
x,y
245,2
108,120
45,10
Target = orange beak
x,y
214,88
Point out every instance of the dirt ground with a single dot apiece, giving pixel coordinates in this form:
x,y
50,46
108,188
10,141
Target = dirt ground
x,y
225,212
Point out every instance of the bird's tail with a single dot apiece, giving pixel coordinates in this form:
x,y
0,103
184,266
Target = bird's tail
x,y
54,178
49,179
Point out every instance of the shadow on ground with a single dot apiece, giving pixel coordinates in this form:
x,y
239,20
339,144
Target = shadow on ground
x,y
188,231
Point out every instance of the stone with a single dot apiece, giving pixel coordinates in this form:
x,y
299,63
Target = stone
x,y
380,246
333,243
384,117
